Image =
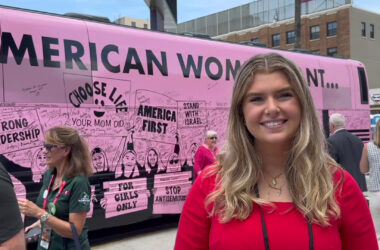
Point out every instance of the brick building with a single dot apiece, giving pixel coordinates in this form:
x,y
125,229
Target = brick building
x,y
319,34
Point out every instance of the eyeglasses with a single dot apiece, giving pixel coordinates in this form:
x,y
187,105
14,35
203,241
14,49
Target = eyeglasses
x,y
213,138
49,147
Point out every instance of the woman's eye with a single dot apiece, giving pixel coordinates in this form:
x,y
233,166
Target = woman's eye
x,y
255,99
286,95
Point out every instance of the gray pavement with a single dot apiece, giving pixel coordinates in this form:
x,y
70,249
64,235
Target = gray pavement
x,y
160,240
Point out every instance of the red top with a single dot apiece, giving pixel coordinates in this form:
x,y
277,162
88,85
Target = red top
x,y
286,226
203,158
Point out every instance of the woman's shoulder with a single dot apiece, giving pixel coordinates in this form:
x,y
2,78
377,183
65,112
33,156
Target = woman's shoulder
x,y
201,148
345,184
48,173
207,180
81,178
341,176
371,146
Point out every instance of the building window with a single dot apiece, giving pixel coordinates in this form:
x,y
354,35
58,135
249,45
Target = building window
x,y
133,24
331,29
314,32
275,40
372,31
255,40
290,37
332,51
315,52
363,29
145,26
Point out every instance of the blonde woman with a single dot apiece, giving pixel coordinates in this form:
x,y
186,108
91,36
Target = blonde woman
x,y
64,198
274,186
370,163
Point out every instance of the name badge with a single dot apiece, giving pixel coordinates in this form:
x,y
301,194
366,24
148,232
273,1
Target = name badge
x,y
45,194
45,236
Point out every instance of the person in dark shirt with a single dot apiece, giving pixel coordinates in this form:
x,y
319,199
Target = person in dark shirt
x,y
11,226
30,177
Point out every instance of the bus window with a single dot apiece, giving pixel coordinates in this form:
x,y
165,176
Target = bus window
x,y
326,124
363,86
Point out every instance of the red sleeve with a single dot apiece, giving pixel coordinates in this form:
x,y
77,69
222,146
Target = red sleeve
x,y
199,159
356,225
194,224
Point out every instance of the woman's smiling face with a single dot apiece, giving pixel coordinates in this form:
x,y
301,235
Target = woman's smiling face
x,y
129,159
271,109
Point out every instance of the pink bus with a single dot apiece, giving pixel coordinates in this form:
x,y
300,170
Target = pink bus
x,y
142,99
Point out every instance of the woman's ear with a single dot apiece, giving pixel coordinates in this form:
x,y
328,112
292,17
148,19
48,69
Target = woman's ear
x,y
67,150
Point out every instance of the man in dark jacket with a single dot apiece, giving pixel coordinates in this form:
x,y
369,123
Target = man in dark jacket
x,y
346,149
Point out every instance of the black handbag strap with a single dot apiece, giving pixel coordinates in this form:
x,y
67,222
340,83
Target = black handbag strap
x,y
75,236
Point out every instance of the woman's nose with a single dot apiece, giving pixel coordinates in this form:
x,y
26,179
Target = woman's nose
x,y
272,107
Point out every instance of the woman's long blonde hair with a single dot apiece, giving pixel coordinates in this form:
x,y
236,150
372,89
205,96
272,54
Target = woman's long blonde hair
x,y
309,168
79,158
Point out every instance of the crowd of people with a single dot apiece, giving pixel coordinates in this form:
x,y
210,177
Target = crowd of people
x,y
276,184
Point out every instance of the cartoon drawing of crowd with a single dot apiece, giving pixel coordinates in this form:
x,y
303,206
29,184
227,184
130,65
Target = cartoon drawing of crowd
x,y
120,153
126,165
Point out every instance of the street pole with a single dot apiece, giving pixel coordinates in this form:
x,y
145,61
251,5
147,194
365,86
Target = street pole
x,y
297,21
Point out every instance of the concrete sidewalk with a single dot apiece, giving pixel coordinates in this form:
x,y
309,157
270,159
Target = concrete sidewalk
x,y
159,240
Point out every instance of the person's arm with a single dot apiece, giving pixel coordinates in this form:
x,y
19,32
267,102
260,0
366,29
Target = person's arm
x,y
364,168
61,227
34,225
194,225
198,162
79,205
16,242
23,174
357,230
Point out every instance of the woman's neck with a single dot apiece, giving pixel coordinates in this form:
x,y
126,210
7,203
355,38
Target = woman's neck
x,y
211,147
129,171
60,170
274,159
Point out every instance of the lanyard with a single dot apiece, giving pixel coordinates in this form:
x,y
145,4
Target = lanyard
x,y
63,184
265,233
